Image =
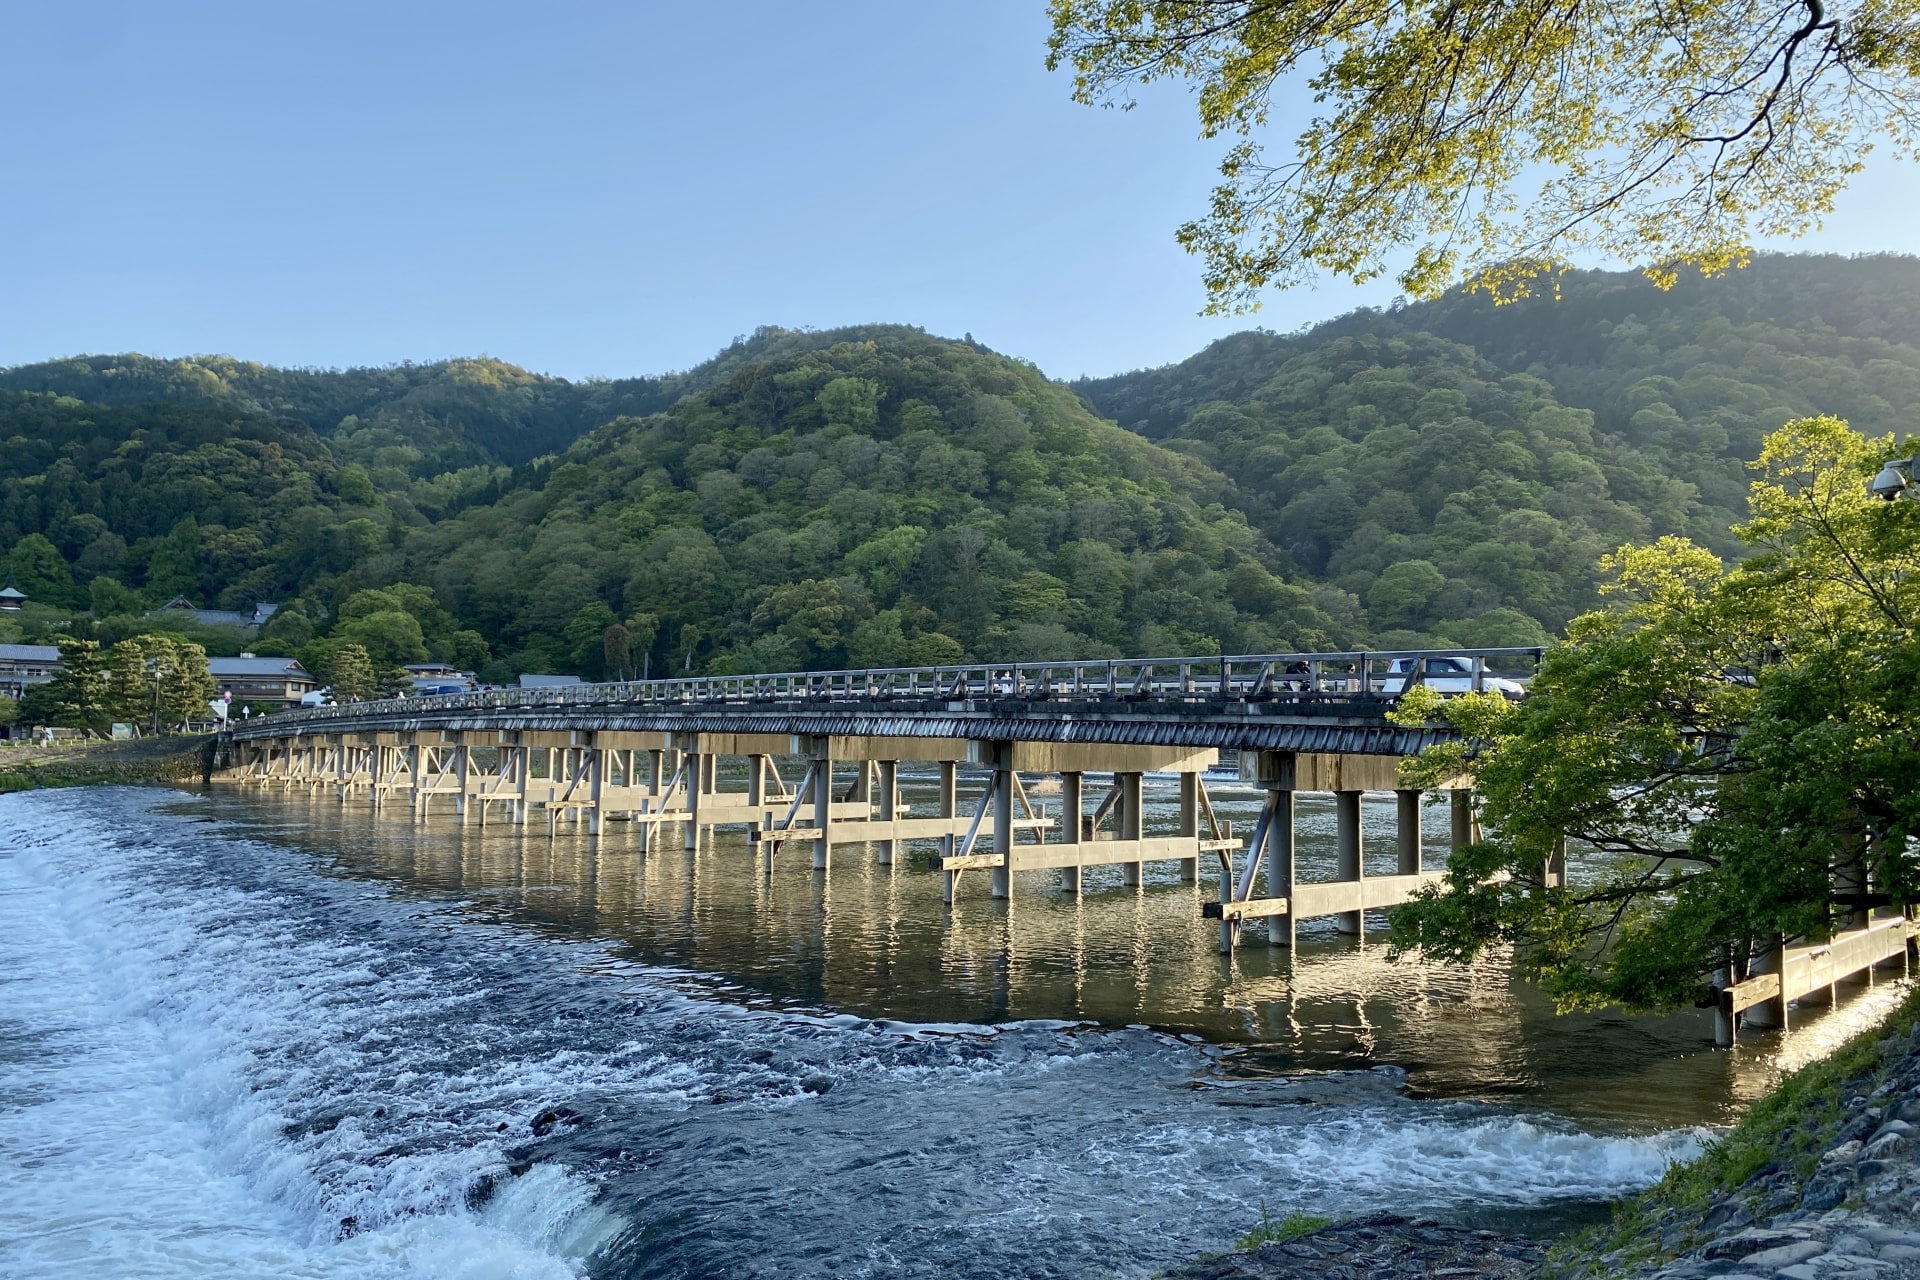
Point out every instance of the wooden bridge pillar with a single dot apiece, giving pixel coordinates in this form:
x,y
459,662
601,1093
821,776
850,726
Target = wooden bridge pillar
x,y
889,780
1129,819
822,809
1003,819
701,768
1407,831
694,765
418,797
656,783
1189,823
597,766
1071,831
463,767
522,782
1282,930
1554,874
1349,864
1770,958
948,807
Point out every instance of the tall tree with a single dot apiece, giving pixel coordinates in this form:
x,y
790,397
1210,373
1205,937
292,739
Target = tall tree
x,y
1740,749
1494,139
78,694
616,648
349,672
182,685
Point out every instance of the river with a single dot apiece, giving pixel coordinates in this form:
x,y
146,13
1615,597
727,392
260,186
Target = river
x,y
263,1036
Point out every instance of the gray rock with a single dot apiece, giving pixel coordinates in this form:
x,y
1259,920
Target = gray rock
x,y
1823,1192
1785,1255
1728,1215
1752,1240
1889,1141
1845,1153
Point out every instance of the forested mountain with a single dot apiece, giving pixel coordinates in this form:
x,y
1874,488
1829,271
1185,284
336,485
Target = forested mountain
x,y
420,419
1470,453
1444,472
895,499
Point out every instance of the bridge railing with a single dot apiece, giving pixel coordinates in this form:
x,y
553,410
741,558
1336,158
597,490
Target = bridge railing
x,y
1308,677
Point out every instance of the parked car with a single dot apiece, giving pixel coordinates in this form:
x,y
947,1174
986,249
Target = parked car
x,y
1447,675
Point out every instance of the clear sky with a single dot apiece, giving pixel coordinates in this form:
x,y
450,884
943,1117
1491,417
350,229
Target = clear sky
x,y
604,189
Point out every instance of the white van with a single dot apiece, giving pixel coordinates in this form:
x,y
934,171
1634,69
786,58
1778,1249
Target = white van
x,y
1447,675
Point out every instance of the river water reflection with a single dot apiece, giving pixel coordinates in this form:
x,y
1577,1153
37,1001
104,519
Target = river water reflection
x,y
879,943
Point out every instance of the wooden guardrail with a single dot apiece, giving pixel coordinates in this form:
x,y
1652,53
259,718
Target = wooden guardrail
x,y
1806,969
1336,677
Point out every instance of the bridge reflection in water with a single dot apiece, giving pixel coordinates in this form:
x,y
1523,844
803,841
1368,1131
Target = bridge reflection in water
x,y
880,943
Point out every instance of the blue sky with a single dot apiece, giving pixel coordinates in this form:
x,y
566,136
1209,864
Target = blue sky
x,y
604,189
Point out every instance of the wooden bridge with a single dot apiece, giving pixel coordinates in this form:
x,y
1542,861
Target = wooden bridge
x,y
647,754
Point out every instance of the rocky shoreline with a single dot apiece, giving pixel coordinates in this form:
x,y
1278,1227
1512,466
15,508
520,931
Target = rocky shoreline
x,y
1821,1181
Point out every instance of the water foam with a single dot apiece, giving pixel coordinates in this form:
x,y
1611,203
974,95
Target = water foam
x,y
157,1052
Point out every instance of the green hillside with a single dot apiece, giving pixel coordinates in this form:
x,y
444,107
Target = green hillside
x,y
1435,460
1448,472
882,501
418,419
868,496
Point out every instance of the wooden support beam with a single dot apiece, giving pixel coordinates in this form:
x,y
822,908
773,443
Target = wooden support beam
x,y
1333,898
879,747
1323,771
1094,757
1090,853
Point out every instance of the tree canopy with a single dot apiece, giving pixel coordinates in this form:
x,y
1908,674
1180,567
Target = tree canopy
x,y
1739,747
1493,140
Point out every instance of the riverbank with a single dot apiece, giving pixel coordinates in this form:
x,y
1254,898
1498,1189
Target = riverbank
x,y
24,767
1821,1178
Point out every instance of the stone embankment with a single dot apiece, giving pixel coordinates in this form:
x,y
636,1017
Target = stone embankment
x,y
73,764
1820,1181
